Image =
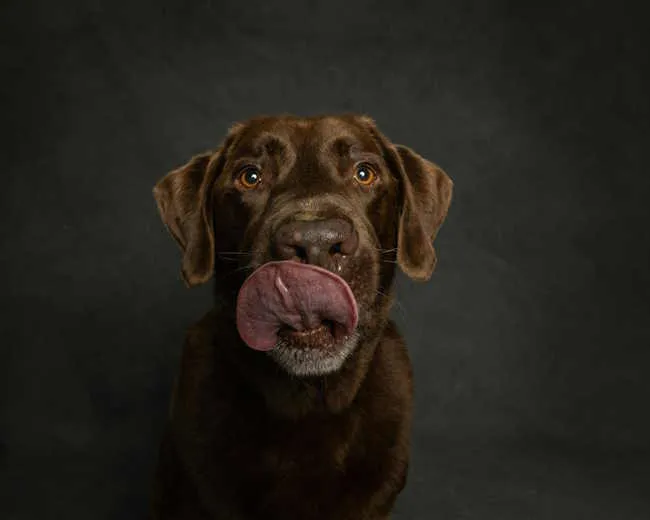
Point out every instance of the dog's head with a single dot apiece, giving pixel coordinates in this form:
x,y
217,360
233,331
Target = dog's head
x,y
329,192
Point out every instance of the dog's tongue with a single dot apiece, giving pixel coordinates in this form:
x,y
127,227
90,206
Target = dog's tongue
x,y
300,296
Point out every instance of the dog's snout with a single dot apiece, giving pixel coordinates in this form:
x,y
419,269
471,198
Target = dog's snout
x,y
315,242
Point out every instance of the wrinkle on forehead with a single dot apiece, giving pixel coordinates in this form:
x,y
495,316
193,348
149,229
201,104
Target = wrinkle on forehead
x,y
329,129
265,143
291,135
345,138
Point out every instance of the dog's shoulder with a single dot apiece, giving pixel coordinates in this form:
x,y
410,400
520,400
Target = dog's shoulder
x,y
205,369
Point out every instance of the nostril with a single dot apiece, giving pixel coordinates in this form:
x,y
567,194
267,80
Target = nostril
x,y
315,241
289,251
300,253
350,244
336,248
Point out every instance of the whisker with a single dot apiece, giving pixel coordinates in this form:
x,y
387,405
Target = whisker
x,y
385,251
243,253
235,256
243,268
240,269
398,305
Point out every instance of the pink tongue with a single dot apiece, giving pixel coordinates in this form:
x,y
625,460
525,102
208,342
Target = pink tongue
x,y
300,296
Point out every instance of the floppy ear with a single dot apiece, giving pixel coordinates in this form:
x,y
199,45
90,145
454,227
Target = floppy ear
x,y
186,210
426,196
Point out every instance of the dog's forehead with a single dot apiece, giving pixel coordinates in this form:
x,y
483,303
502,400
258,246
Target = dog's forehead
x,y
337,134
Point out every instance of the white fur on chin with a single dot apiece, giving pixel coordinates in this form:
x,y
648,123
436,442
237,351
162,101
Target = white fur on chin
x,y
312,362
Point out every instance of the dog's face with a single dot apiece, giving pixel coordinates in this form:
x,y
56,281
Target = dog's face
x,y
331,192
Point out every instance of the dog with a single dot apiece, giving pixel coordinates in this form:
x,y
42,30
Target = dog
x,y
294,397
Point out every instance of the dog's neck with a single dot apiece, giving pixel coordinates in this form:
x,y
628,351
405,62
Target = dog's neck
x,y
294,397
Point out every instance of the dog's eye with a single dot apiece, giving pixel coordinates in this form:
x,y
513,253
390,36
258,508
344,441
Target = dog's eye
x,y
250,177
365,175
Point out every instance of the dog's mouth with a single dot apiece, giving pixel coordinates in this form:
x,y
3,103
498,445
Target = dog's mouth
x,y
297,305
327,333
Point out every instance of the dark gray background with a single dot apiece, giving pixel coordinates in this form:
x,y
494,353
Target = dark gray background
x,y
531,343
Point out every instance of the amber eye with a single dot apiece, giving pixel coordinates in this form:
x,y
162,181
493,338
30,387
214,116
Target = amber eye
x,y
250,177
364,175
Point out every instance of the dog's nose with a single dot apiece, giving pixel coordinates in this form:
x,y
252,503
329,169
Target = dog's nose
x,y
316,241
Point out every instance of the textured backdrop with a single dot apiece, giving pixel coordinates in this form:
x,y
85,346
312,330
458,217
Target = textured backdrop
x,y
531,343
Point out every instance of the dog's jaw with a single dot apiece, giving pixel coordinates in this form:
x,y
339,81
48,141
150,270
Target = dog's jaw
x,y
303,362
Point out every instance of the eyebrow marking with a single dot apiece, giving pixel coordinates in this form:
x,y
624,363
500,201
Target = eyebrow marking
x,y
340,145
269,143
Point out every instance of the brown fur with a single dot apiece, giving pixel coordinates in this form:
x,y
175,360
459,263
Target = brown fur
x,y
246,440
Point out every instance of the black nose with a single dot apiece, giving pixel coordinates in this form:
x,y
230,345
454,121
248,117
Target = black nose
x,y
315,241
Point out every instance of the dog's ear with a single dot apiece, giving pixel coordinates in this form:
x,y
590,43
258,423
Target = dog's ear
x,y
426,195
184,202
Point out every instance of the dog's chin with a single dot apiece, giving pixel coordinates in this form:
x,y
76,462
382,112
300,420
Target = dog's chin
x,y
314,352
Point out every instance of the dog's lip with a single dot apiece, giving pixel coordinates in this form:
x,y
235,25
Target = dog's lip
x,y
326,337
327,326
287,331
297,338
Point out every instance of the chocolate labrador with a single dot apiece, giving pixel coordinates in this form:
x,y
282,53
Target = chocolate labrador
x,y
294,394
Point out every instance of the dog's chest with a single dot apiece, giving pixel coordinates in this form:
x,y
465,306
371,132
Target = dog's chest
x,y
288,464
304,446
